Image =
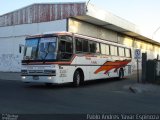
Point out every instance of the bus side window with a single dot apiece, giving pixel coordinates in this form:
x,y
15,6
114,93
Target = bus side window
x,y
65,47
116,50
78,45
103,49
113,50
121,51
85,45
92,47
107,50
62,46
97,47
127,52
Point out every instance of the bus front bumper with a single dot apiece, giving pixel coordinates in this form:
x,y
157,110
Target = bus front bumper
x,y
41,79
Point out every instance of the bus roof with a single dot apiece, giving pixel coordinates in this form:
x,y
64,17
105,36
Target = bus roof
x,y
49,34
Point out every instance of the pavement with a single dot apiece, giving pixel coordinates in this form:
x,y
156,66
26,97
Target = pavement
x,y
10,76
101,96
132,85
139,87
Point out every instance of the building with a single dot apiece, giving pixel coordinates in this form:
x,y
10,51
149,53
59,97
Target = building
x,y
73,17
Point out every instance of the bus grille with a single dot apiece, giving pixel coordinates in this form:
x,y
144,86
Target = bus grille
x,y
35,71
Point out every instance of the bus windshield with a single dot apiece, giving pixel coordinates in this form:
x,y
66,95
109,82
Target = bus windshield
x,y
40,49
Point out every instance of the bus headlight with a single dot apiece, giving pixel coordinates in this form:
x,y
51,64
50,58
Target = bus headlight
x,y
49,78
23,77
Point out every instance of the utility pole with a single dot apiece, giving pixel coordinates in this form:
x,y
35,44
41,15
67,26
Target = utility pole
x,y
155,32
87,5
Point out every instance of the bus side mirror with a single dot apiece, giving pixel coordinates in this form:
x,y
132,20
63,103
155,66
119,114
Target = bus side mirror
x,y
21,48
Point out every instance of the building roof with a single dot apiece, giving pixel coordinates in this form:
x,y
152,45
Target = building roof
x,y
45,12
110,21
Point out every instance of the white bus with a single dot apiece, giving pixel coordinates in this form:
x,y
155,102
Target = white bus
x,y
65,57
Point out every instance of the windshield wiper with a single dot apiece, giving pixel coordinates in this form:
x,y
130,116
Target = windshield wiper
x,y
46,51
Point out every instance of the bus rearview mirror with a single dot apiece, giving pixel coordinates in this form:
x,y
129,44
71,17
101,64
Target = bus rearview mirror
x,y
21,48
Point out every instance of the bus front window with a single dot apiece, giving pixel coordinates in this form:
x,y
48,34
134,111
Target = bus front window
x,y
47,50
30,49
41,49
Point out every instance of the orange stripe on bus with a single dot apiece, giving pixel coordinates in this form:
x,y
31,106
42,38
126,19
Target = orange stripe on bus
x,y
112,65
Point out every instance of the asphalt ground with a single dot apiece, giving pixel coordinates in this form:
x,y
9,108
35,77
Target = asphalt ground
x,y
101,96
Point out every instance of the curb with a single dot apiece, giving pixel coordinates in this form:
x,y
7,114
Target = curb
x,y
144,88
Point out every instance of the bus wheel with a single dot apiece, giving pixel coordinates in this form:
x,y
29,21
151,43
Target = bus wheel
x,y
121,73
77,78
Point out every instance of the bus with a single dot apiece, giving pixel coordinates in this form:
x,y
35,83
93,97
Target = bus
x,y
64,57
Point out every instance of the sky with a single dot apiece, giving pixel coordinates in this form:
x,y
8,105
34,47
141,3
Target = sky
x,y
143,13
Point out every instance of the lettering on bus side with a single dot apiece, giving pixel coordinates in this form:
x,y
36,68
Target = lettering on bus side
x,y
93,62
63,73
88,58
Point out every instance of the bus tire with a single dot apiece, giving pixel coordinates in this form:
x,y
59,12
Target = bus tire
x,y
77,78
121,73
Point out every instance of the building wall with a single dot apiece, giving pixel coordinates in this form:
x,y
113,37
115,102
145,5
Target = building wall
x,y
9,56
88,29
12,36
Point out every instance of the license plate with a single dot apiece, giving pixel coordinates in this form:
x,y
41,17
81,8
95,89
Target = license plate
x,y
35,78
